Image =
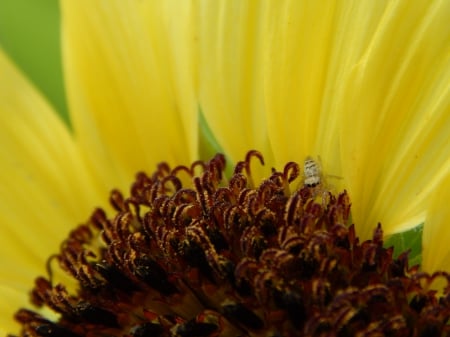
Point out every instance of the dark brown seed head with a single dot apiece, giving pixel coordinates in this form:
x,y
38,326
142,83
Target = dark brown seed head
x,y
222,257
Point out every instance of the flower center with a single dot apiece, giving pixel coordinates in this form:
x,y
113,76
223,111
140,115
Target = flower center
x,y
218,257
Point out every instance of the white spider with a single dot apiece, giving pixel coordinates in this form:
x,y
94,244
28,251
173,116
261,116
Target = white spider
x,y
315,179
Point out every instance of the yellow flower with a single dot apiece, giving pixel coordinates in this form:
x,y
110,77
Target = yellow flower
x,y
363,84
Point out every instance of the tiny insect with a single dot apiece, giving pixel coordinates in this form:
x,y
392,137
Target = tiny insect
x,y
314,178
312,173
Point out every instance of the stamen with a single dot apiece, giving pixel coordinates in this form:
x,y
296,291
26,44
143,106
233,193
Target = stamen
x,y
211,257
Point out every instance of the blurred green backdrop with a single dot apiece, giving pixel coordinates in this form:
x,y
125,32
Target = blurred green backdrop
x,y
30,35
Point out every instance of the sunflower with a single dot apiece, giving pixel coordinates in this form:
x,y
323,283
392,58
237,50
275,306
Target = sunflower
x,y
361,87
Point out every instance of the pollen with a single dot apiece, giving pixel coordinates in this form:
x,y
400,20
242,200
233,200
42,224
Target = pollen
x,y
192,253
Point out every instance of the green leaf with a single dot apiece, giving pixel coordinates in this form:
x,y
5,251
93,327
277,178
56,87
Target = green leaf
x,y
407,240
30,35
208,144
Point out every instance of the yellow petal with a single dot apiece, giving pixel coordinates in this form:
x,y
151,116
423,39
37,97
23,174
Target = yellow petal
x,y
11,297
45,189
130,82
18,297
310,48
372,102
395,110
231,40
299,80
436,233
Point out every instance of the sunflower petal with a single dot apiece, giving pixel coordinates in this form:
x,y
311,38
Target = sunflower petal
x,y
395,110
436,235
311,47
130,81
296,64
15,296
232,36
45,189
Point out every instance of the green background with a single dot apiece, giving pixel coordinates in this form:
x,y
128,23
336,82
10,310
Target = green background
x,y
30,35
